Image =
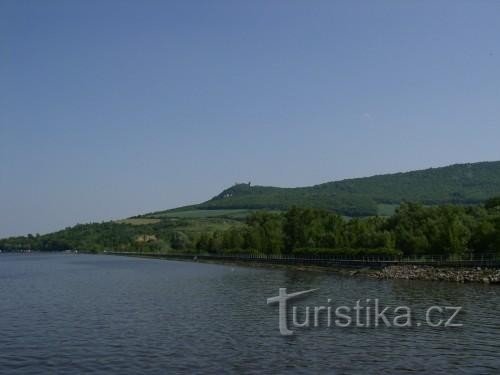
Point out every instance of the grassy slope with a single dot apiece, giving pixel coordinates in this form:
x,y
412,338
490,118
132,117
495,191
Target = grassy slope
x,y
197,213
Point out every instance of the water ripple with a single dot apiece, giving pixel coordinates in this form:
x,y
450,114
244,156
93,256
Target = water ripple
x,y
67,314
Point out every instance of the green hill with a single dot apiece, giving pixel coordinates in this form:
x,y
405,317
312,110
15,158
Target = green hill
x,y
458,184
222,220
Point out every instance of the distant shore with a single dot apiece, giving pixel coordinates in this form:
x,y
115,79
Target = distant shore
x,y
477,274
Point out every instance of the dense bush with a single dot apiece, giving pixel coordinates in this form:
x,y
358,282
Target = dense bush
x,y
414,230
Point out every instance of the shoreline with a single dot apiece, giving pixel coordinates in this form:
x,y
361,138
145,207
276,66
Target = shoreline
x,y
404,272
484,275
431,273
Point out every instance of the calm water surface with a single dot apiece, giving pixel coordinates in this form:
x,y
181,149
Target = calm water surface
x,y
117,315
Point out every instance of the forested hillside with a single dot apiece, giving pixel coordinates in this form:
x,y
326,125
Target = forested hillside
x,y
457,184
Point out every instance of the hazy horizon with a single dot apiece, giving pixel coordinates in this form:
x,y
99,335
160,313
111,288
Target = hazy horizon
x,y
113,109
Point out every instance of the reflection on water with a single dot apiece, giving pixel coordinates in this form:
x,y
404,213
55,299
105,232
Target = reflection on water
x,y
68,313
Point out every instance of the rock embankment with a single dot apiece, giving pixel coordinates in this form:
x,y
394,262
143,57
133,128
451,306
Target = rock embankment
x,y
461,275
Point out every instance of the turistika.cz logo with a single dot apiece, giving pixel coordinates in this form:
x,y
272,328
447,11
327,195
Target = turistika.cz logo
x,y
368,313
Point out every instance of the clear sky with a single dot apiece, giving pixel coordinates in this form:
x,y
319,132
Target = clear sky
x,y
114,108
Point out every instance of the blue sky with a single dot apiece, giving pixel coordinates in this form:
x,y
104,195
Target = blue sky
x,y
113,108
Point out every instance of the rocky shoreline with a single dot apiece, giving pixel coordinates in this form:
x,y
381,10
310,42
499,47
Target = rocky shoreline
x,y
483,275
402,272
460,275
399,272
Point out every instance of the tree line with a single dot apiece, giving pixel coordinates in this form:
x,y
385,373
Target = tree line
x,y
414,230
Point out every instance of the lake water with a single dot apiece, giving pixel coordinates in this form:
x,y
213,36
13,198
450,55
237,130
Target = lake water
x,y
95,313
